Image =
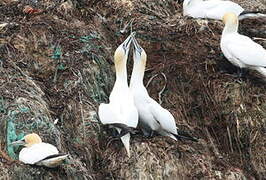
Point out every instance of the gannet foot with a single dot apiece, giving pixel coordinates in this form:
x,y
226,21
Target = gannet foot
x,y
241,72
149,133
124,129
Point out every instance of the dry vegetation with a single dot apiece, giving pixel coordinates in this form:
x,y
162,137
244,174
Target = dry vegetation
x,y
56,67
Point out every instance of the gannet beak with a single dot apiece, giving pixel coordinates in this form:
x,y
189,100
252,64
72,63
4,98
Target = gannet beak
x,y
18,143
127,42
137,49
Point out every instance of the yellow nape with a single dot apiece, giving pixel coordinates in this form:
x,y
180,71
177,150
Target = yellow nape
x,y
230,18
143,57
119,59
31,139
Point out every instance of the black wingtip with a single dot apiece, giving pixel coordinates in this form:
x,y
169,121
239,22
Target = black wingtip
x,y
184,135
249,12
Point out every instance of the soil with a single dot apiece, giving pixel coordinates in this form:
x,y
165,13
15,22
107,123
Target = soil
x,y
56,66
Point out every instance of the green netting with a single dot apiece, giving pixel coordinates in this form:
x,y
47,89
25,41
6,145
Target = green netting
x,y
17,125
57,53
11,133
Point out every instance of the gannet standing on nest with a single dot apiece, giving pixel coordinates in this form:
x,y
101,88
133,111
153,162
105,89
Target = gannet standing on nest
x,y
241,50
38,153
121,112
215,9
152,116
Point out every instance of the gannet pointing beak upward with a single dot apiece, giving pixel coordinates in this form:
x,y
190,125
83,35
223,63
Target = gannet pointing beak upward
x,y
121,111
241,50
152,116
215,9
39,153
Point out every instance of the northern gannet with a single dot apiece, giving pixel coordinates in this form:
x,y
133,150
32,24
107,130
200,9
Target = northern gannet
x,y
121,112
38,153
215,9
152,117
240,50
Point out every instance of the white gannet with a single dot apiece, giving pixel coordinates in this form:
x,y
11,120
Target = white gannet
x,y
240,50
38,153
152,117
121,112
215,9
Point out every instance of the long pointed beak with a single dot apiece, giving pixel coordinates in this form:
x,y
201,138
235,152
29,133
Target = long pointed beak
x,y
18,143
137,49
136,44
127,42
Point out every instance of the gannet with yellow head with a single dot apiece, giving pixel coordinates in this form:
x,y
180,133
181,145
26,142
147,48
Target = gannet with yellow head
x,y
38,153
121,112
240,50
152,116
215,9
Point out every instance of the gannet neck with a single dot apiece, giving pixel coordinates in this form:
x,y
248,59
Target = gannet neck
x,y
140,58
120,60
121,71
230,28
138,73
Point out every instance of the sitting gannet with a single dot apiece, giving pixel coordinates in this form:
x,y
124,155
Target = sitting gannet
x,y
38,153
214,9
121,112
152,116
241,50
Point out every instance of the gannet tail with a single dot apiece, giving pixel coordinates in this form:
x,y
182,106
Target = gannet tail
x,y
261,70
125,140
251,14
184,135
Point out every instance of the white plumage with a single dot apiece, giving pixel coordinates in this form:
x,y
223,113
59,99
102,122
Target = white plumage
x,y
121,108
240,50
37,152
214,9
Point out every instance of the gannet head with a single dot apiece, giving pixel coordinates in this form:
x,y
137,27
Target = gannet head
x,y
139,55
231,23
122,51
28,140
230,18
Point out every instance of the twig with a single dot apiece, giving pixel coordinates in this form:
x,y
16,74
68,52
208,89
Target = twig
x,y
215,150
160,93
230,138
82,116
125,27
256,38
131,22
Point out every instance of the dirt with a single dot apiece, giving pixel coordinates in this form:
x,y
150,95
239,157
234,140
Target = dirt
x,y
56,64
